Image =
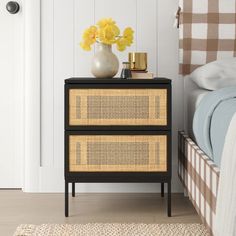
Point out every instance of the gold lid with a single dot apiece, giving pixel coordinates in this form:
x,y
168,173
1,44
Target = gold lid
x,y
138,61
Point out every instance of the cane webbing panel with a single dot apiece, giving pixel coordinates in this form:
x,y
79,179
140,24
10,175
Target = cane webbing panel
x,y
117,153
118,107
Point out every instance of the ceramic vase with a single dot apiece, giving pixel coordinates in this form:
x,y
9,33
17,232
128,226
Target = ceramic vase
x,y
105,63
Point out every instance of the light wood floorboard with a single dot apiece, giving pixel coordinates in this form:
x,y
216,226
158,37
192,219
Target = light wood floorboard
x,y
17,208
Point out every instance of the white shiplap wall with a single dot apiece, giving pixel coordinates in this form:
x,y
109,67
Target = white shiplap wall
x,y
62,26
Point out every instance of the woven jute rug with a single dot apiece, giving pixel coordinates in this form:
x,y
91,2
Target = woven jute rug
x,y
97,229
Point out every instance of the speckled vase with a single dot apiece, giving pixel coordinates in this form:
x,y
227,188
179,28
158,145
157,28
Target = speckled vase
x,y
105,63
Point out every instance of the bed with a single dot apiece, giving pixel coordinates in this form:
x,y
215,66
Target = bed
x,y
197,172
208,169
207,33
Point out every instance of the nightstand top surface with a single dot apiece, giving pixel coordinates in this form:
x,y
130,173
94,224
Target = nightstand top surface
x,y
87,80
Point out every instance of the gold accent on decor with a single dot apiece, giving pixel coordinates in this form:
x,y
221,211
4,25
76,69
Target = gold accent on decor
x,y
118,107
138,61
117,153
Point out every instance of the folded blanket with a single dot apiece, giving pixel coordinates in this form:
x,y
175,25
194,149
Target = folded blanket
x,y
212,119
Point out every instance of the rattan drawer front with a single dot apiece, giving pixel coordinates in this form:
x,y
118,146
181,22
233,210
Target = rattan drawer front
x,y
117,107
117,153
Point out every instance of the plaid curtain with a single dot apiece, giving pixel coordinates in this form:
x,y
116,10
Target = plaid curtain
x,y
207,32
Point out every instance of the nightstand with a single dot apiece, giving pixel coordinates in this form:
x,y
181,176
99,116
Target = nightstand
x,y
118,130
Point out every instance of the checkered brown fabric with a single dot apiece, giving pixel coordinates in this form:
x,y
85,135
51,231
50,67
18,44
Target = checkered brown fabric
x,y
200,178
207,32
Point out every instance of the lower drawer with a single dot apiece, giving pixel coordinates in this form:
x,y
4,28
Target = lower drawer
x,y
117,153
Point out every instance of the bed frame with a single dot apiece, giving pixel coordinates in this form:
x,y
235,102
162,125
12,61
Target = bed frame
x,y
202,39
200,178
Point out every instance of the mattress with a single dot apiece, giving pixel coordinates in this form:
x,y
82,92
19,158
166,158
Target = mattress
x,y
192,103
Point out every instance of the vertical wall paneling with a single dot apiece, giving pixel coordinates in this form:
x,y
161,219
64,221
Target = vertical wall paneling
x,y
146,31
47,82
63,68
83,18
167,54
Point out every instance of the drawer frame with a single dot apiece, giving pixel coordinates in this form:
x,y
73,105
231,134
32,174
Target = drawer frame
x,y
117,86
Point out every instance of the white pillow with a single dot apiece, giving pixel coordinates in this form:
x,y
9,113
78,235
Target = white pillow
x,y
216,75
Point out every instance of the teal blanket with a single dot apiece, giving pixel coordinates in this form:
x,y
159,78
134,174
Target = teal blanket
x,y
211,121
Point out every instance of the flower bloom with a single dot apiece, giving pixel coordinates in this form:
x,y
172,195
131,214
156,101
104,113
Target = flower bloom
x,y
128,35
89,38
106,31
108,34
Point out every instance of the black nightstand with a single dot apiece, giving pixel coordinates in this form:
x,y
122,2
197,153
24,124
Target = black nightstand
x,y
117,130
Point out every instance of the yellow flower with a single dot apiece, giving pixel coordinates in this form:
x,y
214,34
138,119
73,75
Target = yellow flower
x,y
85,46
121,44
105,22
89,38
106,31
90,35
128,35
125,40
108,34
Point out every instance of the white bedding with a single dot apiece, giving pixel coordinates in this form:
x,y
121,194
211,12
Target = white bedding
x,y
225,223
192,102
216,75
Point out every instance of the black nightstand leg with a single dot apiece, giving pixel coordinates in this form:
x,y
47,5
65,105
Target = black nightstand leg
x,y
169,199
66,199
162,189
73,189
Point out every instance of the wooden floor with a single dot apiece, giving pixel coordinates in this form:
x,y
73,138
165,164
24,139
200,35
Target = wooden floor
x,y
17,208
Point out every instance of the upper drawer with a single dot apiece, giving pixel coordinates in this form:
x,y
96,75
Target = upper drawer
x,y
117,107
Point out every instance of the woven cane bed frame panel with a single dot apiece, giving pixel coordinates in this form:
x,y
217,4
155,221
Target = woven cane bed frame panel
x,y
117,153
118,107
200,178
